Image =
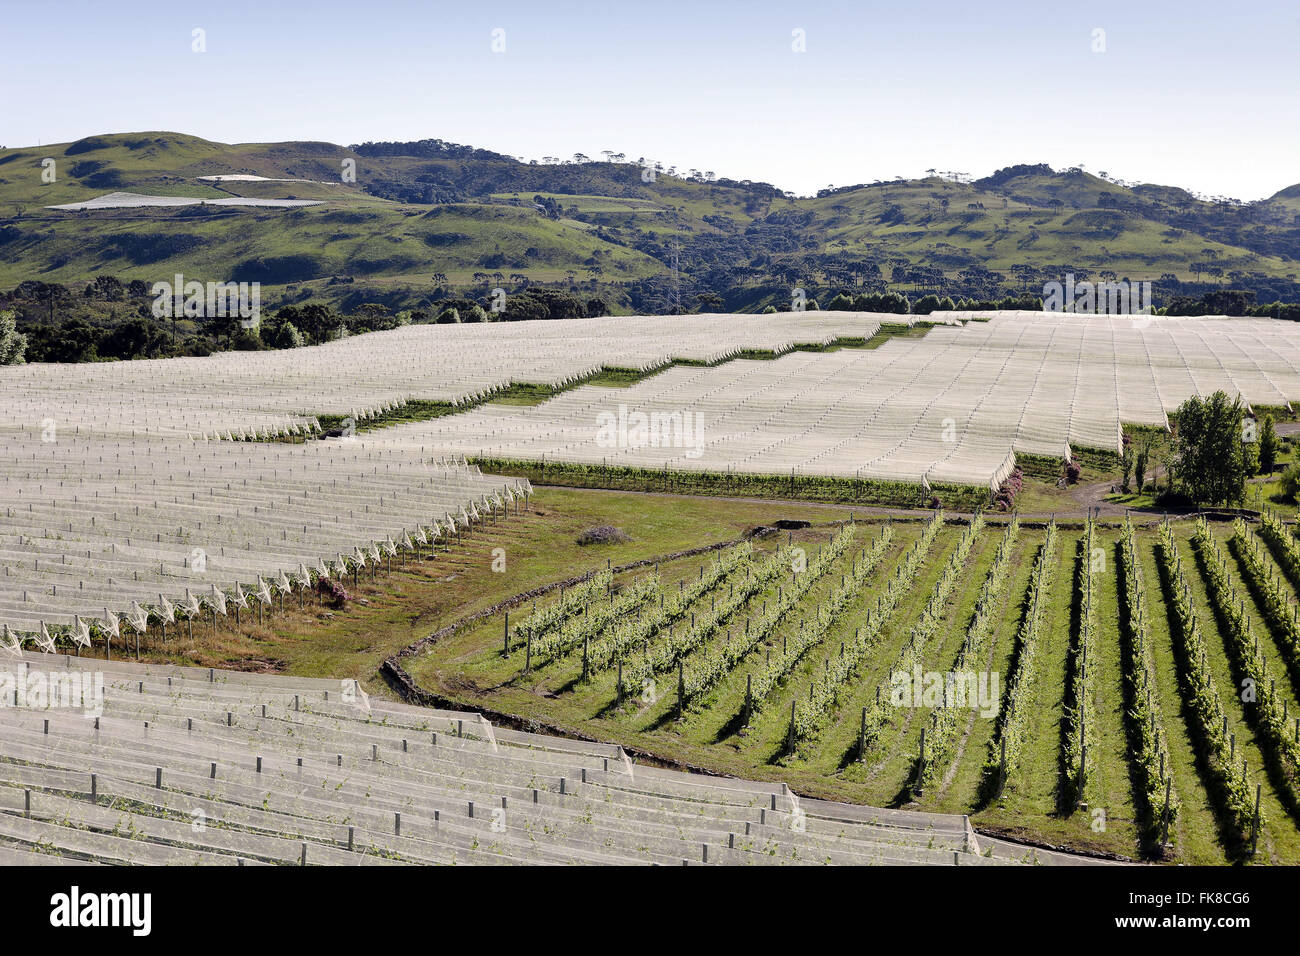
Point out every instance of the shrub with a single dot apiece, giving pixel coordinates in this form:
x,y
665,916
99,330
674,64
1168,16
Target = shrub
x,y
448,316
1175,501
1072,472
332,591
1291,483
280,335
13,344
894,302
602,534
246,340
1005,499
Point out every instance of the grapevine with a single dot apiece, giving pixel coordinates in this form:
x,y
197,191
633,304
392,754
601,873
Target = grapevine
x,y
1200,696
942,737
1151,750
1004,748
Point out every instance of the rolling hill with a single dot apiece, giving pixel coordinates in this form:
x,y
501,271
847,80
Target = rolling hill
x,y
430,218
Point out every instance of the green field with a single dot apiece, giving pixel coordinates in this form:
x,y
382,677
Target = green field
x,y
1038,803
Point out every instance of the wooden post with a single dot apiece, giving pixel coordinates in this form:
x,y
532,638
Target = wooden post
x,y
789,738
1164,830
1083,768
862,738
749,698
1254,829
920,767
586,650
505,637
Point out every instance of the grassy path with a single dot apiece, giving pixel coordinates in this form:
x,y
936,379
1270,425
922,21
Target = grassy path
x,y
1110,787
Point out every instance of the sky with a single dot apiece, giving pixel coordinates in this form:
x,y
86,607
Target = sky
x,y
802,95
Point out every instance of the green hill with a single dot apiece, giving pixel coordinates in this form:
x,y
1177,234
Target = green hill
x,y
432,218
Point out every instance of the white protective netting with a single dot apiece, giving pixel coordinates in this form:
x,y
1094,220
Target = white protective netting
x,y
97,527
253,394
186,765
116,495
954,406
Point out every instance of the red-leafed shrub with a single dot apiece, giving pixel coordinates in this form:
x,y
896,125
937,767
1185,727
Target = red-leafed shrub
x,y
332,591
1005,499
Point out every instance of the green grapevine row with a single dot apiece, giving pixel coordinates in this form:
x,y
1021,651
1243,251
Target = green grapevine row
x,y
941,739
1247,651
1284,616
595,617
912,656
1285,547
811,715
1200,696
1012,728
571,601
632,633
779,665
666,653
1080,716
1152,753
718,664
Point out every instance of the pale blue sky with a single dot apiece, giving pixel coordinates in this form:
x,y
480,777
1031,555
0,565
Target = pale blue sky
x,y
1190,93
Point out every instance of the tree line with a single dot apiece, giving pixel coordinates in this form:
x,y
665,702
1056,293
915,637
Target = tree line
x,y
113,320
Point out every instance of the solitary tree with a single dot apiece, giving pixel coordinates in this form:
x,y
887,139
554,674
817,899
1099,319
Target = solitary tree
x,y
1211,454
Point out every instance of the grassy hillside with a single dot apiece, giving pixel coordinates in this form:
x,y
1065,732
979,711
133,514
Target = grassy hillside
x,y
419,218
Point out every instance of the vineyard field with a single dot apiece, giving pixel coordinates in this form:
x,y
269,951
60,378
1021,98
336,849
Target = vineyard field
x,y
824,638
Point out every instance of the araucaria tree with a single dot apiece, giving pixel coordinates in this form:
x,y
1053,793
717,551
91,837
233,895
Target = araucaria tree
x,y
1212,460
